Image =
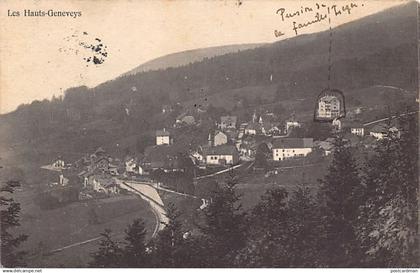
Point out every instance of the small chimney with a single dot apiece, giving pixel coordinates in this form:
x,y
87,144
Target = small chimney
x,y
211,139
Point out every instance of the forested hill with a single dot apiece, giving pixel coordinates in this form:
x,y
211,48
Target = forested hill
x,y
375,50
189,56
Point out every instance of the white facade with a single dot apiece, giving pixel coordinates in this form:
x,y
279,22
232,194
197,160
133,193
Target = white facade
x,y
377,135
291,124
215,159
198,156
336,123
62,180
162,140
58,164
220,139
96,185
85,182
358,131
250,131
329,107
130,166
281,154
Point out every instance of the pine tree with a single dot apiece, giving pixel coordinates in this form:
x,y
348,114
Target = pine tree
x,y
267,244
388,224
260,159
339,207
134,252
304,228
168,249
225,227
109,254
10,256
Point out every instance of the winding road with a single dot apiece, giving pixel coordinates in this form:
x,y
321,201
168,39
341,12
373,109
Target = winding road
x,y
151,196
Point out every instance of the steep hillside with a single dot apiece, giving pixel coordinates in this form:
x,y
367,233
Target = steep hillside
x,y
377,50
189,56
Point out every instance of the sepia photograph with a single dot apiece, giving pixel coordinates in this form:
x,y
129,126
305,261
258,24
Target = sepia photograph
x,y
209,134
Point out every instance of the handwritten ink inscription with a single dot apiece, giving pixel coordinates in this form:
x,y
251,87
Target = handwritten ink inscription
x,y
278,33
317,13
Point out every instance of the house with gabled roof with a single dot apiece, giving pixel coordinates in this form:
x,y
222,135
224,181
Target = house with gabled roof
x,y
221,155
165,157
253,128
217,138
379,131
228,122
163,137
292,124
354,127
285,148
103,183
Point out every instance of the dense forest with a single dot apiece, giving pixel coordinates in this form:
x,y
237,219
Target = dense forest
x,y
368,52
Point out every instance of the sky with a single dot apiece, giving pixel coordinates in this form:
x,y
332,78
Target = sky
x,y
42,56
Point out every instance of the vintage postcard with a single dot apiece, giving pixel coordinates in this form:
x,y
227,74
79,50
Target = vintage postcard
x,y
209,134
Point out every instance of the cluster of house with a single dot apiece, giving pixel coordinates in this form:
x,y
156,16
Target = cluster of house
x,y
331,107
377,131
98,172
227,144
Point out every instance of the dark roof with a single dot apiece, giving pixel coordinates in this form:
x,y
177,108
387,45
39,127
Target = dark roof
x,y
180,116
105,181
379,128
253,126
220,133
162,133
162,152
85,173
269,125
99,151
352,124
221,150
292,143
324,145
228,119
188,119
100,158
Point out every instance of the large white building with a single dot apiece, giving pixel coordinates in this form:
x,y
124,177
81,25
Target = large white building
x,y
328,107
163,137
284,148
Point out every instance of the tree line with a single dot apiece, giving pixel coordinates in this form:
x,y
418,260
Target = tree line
x,y
361,216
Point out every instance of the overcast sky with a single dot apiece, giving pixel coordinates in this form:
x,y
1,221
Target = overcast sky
x,y
38,55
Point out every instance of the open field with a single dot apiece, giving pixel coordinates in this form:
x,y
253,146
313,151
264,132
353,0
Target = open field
x,y
73,223
253,184
187,206
52,229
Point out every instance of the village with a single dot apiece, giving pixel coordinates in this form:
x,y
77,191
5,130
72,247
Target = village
x,y
265,143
